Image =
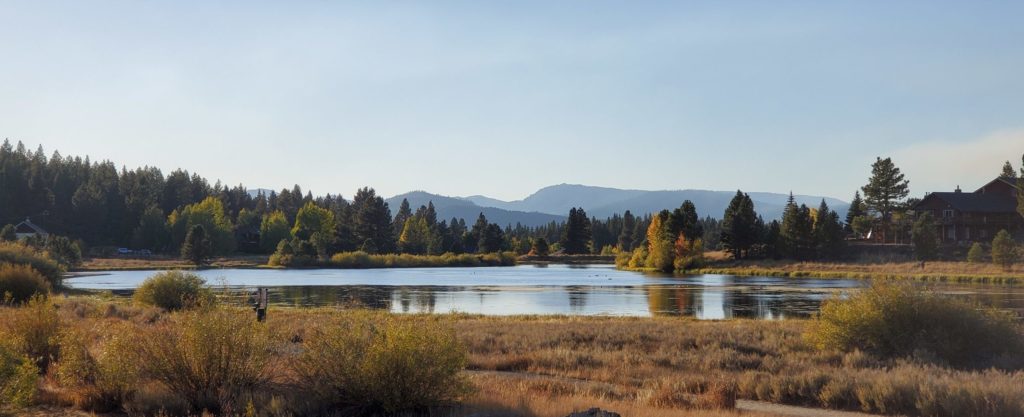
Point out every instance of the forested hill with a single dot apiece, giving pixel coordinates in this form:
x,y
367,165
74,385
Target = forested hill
x,y
602,202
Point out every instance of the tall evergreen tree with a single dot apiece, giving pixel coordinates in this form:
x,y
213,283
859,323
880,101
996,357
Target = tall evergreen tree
x,y
492,239
739,232
1008,171
685,220
625,240
828,233
576,239
885,190
404,213
856,210
797,231
371,226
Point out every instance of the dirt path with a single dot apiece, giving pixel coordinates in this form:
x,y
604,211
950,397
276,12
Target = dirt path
x,y
741,405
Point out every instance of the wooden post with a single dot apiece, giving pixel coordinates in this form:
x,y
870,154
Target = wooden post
x,y
262,301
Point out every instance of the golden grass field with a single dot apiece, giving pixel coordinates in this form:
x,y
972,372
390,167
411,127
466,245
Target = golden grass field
x,y
553,365
931,271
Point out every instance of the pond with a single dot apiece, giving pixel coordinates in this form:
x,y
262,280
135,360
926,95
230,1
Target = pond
x,y
539,289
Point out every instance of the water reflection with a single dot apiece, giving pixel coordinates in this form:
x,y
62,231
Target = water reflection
x,y
554,289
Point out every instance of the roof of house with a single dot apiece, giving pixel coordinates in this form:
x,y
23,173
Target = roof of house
x,y
1008,180
975,202
28,227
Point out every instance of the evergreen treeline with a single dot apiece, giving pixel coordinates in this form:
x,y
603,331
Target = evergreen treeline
x,y
103,207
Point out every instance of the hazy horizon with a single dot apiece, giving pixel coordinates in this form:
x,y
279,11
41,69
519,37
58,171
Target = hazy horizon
x,y
465,98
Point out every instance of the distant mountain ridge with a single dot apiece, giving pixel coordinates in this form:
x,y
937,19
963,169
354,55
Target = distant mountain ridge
x,y
449,207
603,202
552,203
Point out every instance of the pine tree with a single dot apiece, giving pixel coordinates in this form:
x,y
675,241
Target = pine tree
x,y
856,210
1008,171
404,213
492,239
576,239
197,248
372,228
686,221
885,190
626,235
739,232
828,233
797,231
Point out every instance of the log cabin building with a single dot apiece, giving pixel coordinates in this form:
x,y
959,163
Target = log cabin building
x,y
962,218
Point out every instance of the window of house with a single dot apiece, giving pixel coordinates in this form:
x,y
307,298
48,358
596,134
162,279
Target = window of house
x,y
947,213
967,233
951,233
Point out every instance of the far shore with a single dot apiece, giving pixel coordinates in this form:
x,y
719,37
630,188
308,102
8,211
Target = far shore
x,y
945,271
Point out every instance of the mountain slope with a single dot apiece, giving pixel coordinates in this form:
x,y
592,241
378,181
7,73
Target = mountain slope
x,y
602,202
448,207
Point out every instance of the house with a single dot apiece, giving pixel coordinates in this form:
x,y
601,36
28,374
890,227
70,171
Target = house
x,y
962,217
27,229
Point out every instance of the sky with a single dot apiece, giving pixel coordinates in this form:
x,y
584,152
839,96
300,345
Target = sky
x,y
501,98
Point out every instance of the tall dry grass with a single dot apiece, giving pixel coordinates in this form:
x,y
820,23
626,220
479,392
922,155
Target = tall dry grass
x,y
524,366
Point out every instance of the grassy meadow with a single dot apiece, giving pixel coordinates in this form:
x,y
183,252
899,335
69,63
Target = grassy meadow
x,y
107,354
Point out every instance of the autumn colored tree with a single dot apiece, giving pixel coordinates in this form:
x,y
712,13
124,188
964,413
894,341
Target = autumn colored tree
x,y
660,243
415,237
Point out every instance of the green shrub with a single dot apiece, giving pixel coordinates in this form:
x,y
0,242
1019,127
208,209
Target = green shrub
x,y
976,254
360,259
64,251
900,320
101,379
15,253
386,364
19,283
172,290
18,379
1004,250
210,357
32,331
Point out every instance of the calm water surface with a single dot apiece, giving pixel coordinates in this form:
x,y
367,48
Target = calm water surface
x,y
536,289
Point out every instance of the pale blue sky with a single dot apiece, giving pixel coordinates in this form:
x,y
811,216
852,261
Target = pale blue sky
x,y
501,98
